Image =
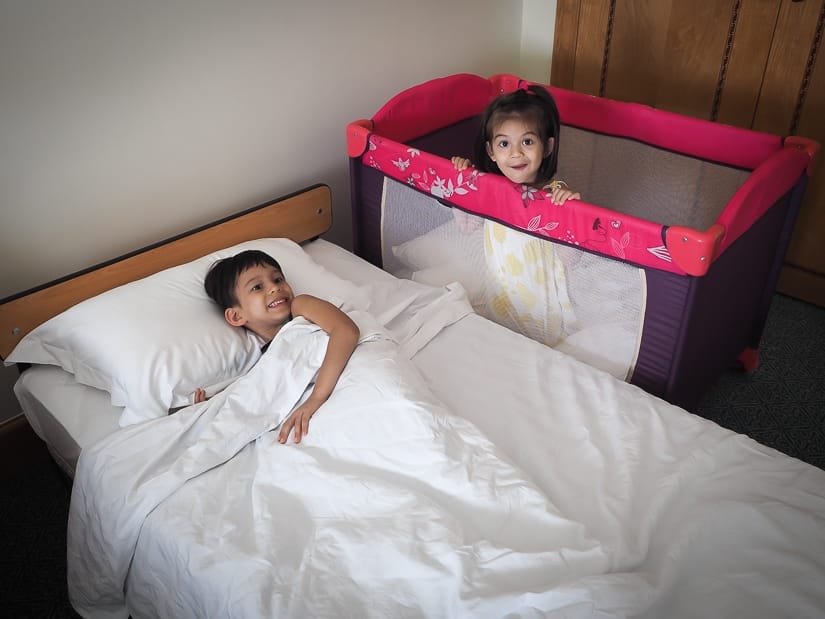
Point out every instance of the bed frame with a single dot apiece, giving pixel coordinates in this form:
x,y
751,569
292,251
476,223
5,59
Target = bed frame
x,y
300,216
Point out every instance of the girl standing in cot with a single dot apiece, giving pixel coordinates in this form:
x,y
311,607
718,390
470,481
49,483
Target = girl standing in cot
x,y
519,139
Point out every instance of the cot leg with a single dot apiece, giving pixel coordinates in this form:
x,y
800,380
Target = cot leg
x,y
749,359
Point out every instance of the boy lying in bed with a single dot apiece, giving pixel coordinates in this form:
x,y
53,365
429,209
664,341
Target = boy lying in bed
x,y
254,294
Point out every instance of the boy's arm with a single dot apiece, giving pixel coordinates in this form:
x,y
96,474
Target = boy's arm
x,y
343,337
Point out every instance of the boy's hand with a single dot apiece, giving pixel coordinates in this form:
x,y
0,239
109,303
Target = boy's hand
x,y
200,396
461,163
299,421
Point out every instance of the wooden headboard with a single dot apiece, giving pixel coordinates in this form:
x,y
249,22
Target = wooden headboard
x,y
300,216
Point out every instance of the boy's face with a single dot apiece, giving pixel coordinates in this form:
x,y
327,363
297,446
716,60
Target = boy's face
x,y
517,150
264,301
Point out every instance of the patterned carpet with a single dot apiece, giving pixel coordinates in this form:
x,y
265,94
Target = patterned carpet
x,y
34,513
781,404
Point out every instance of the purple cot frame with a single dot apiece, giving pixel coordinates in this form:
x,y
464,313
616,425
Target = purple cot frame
x,y
708,292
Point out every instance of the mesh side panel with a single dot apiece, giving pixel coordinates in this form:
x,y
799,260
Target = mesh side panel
x,y
648,182
584,304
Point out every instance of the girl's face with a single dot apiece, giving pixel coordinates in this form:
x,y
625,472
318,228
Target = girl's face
x,y
517,150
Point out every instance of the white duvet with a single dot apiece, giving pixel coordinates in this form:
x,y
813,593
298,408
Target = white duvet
x,y
391,506
606,503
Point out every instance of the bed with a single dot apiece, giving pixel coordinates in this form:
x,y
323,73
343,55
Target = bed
x,y
460,469
662,275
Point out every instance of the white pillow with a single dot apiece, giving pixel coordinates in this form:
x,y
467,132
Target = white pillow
x,y
447,254
151,342
444,245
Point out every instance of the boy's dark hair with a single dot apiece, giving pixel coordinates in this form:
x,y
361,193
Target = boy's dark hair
x,y
536,106
222,278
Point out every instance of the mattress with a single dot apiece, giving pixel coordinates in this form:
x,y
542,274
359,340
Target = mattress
x,y
63,413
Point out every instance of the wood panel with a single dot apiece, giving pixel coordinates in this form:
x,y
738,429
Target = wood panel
x,y
782,109
802,284
637,51
755,23
806,255
590,44
785,69
563,64
696,37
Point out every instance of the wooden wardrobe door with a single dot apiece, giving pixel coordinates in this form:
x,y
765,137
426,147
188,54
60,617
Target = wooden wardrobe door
x,y
749,63
792,101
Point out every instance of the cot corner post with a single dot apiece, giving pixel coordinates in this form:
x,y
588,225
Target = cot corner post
x,y
358,133
810,147
691,250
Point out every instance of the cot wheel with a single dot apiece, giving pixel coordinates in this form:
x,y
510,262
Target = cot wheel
x,y
749,359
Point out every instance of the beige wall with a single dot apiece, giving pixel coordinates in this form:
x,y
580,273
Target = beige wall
x,y
538,24
125,122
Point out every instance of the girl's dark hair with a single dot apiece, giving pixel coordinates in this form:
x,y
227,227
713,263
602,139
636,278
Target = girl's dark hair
x,y
222,278
536,106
